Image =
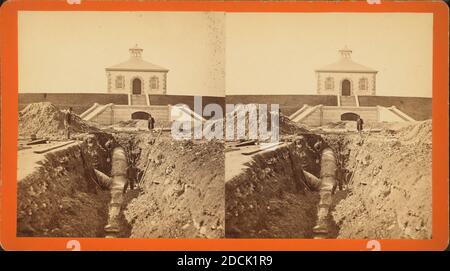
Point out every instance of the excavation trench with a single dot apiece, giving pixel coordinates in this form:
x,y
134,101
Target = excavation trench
x,y
389,196
177,189
383,187
283,193
58,199
181,188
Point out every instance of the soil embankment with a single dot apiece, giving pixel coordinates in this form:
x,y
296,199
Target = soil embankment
x,y
391,190
181,191
385,191
58,200
268,199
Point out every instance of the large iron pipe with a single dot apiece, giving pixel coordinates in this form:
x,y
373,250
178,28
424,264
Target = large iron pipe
x,y
327,180
119,162
328,166
119,180
119,169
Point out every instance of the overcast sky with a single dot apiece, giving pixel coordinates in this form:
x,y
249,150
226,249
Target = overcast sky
x,y
277,53
260,53
69,51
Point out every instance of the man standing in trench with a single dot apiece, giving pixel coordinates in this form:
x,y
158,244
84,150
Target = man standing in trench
x,y
151,122
359,125
68,121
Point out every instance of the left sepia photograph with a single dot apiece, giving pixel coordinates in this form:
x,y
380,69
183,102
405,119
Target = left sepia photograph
x,y
97,96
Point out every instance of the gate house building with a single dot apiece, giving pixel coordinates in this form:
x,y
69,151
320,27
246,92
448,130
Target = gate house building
x,y
138,79
136,76
346,77
347,81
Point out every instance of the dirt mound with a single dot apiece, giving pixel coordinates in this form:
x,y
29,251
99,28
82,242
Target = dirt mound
x,y
391,190
128,123
46,120
182,191
288,127
336,125
419,132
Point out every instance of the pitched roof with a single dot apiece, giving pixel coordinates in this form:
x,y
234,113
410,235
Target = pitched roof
x,y
137,64
345,64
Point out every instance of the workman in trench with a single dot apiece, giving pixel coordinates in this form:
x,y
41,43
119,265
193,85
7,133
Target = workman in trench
x,y
151,122
68,117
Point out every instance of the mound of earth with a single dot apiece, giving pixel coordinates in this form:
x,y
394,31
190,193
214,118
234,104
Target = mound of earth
x,y
46,120
128,123
391,189
285,125
182,192
288,127
336,125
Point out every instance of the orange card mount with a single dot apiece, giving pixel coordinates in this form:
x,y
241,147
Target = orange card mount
x,y
10,69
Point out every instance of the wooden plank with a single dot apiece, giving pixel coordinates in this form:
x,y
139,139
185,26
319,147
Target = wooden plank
x,y
263,148
37,141
246,143
44,150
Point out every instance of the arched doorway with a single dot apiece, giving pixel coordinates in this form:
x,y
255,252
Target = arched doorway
x,y
346,86
140,115
137,86
350,116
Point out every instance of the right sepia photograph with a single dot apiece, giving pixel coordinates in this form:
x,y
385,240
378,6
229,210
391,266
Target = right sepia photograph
x,y
353,92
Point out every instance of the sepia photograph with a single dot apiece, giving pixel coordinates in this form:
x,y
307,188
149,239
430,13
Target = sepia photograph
x,y
353,92
225,125
216,134
96,156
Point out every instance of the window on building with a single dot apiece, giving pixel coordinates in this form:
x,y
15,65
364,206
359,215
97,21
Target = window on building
x,y
329,83
154,82
120,81
363,84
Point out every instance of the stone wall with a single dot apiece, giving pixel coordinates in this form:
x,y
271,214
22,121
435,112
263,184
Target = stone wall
x,y
419,108
80,102
314,119
326,114
288,103
117,113
159,113
105,118
185,99
333,114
